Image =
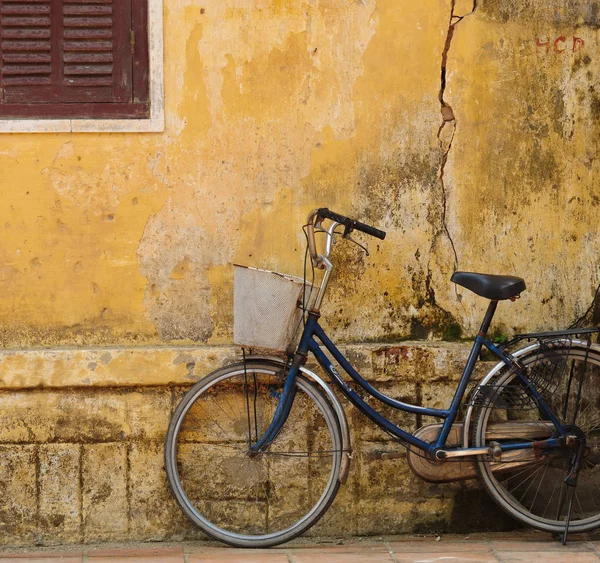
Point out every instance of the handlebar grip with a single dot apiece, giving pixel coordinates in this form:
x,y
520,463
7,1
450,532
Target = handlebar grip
x,y
369,230
351,224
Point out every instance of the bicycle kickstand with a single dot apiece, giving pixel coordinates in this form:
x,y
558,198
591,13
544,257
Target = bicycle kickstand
x,y
571,484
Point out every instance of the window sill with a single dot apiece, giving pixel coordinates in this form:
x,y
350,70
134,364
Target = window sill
x,y
152,125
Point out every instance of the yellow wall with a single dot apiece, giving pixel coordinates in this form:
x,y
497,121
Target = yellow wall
x,y
274,107
116,249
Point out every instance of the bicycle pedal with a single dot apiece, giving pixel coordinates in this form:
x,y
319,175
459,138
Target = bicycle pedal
x,y
495,451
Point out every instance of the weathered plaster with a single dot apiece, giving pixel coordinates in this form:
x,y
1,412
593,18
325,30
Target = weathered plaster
x,y
460,128
468,130
165,366
246,146
522,167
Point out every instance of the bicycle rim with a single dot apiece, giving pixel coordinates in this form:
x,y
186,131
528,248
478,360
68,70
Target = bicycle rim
x,y
534,491
245,500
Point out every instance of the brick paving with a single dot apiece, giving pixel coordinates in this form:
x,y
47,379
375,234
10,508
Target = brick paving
x,y
482,548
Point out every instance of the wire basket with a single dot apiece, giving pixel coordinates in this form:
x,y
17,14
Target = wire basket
x,y
267,308
545,374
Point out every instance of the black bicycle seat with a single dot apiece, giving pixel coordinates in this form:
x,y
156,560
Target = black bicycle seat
x,y
490,286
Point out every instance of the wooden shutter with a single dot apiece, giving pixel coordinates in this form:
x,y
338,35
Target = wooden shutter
x,y
26,44
75,52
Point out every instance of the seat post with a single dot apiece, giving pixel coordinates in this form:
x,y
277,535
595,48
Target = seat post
x,y
489,314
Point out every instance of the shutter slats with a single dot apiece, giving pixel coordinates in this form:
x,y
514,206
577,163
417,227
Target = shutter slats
x,y
25,22
26,69
87,34
88,58
69,52
91,46
30,80
88,69
20,9
26,58
88,24
25,46
25,35
87,10
90,81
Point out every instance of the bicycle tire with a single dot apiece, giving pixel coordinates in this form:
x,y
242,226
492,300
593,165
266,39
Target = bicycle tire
x,y
533,492
252,501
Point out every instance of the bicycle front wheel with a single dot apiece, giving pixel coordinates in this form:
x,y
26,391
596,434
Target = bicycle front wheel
x,y
533,490
246,499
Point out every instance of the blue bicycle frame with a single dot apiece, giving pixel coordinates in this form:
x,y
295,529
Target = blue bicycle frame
x,y
308,343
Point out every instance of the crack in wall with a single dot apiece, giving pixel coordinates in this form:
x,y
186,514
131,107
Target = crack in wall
x,y
446,152
446,138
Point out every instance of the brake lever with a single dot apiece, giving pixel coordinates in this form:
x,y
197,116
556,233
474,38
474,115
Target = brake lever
x,y
348,237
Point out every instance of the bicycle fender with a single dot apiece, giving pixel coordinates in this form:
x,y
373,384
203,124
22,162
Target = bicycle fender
x,y
335,403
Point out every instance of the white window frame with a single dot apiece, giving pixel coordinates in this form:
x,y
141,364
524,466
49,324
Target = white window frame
x,y
154,124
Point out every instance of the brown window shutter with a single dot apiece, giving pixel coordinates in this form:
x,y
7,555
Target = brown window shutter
x,y
96,56
73,52
26,45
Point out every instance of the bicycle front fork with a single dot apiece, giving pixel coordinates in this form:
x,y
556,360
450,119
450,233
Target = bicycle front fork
x,y
286,400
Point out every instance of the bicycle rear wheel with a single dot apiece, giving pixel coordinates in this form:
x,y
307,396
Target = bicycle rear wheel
x,y
533,490
247,500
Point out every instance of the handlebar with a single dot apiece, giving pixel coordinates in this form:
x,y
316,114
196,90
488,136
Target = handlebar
x,y
350,224
317,215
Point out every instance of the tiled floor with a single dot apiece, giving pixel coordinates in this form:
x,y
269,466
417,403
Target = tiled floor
x,y
513,548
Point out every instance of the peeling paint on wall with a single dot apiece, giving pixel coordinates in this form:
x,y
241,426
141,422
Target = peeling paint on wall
x,y
467,129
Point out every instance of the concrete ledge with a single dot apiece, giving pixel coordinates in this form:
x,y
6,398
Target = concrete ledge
x,y
141,367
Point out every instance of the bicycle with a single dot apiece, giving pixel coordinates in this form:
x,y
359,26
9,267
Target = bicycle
x,y
256,451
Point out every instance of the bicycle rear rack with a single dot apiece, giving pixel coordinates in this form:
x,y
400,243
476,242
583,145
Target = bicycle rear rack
x,y
555,335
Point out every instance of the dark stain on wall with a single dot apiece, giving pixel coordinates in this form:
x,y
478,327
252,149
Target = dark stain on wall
x,y
556,12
